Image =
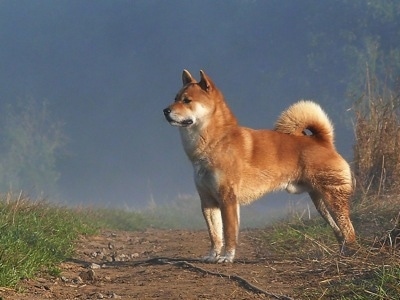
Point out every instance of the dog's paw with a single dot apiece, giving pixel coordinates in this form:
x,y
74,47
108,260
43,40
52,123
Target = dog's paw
x,y
211,258
214,257
217,259
228,257
349,250
225,259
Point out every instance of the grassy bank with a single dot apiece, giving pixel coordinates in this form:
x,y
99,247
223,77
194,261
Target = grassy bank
x,y
36,236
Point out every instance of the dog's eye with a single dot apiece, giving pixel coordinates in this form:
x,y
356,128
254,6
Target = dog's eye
x,y
186,100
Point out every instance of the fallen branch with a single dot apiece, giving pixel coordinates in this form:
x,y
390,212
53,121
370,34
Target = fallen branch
x,y
185,264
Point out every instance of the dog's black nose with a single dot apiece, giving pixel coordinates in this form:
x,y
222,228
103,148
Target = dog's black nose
x,y
167,111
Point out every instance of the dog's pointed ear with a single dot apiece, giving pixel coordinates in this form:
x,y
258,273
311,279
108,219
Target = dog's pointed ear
x,y
205,82
187,77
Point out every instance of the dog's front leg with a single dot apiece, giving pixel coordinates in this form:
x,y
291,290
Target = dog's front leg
x,y
212,215
230,212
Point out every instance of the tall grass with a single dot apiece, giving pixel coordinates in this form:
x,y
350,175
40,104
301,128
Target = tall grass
x,y
377,171
36,236
377,146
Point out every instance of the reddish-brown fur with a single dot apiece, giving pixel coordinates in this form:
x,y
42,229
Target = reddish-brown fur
x,y
235,165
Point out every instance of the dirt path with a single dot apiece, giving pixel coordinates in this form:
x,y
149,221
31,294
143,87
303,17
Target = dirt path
x,y
116,265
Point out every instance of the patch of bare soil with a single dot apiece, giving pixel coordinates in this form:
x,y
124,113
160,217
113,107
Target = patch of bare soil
x,y
163,264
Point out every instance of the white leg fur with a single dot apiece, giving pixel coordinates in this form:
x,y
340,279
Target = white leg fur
x,y
214,224
214,255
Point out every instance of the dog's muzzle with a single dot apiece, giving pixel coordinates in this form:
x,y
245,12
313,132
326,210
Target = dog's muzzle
x,y
167,113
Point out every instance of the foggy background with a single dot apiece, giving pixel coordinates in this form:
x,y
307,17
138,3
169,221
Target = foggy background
x,y
106,69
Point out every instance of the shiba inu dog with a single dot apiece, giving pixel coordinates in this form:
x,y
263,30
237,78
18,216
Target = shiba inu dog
x,y
235,165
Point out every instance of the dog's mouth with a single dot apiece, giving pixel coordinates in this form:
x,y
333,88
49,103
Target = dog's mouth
x,y
187,122
182,123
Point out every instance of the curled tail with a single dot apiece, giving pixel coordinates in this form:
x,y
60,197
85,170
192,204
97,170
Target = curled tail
x,y
306,116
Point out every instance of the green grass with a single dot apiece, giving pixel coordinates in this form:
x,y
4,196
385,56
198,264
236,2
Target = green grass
x,y
311,238
378,282
35,236
381,283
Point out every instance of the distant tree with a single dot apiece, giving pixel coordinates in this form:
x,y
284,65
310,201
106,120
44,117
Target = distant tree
x,y
344,39
379,48
30,141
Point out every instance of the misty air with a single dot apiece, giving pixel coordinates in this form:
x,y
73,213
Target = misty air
x,y
84,84
100,197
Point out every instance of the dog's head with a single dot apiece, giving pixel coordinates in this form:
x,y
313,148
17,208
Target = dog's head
x,y
193,103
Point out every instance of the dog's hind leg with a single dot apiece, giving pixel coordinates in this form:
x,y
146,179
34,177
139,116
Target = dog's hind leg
x,y
324,212
212,215
333,205
337,202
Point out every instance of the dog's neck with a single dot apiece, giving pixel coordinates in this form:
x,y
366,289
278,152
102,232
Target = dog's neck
x,y
197,140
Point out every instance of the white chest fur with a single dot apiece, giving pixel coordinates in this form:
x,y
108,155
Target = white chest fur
x,y
206,179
